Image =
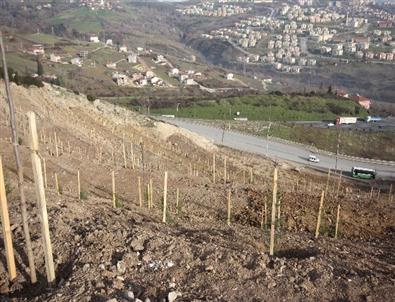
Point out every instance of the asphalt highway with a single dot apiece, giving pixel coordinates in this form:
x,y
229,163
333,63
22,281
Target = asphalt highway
x,y
280,150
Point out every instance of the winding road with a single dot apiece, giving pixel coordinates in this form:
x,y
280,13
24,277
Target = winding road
x,y
282,149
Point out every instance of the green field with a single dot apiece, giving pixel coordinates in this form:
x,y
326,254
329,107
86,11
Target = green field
x,y
82,19
42,38
267,107
21,62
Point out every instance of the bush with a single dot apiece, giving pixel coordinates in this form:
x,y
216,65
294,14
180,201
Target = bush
x,y
90,98
26,80
30,81
83,195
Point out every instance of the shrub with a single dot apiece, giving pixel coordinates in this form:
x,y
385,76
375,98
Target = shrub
x,y
83,195
90,98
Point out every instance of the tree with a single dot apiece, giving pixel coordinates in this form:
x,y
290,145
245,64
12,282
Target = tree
x,y
40,67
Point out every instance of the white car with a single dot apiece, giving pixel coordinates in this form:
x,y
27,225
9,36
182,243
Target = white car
x,y
314,159
331,124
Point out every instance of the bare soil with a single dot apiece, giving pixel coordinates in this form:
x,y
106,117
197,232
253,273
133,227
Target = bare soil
x,y
104,253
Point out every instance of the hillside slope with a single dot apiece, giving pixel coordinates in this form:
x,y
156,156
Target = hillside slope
x,y
102,252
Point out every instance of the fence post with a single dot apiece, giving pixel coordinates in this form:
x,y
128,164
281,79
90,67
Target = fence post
x,y
5,222
40,192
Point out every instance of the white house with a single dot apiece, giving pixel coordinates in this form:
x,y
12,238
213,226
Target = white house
x,y
132,58
94,39
189,82
123,48
76,61
111,65
229,76
38,49
149,74
54,58
109,42
174,72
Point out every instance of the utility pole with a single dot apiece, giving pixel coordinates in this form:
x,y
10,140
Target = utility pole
x,y
25,219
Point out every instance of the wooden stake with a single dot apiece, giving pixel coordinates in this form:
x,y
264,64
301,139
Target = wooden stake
x,y
148,195
19,166
164,198
214,168
251,176
327,182
265,215
42,203
371,192
56,145
225,170
139,191
338,184
132,154
337,220
317,229
5,223
229,206
125,164
390,193
273,222
177,200
79,185
151,195
278,210
57,184
45,173
114,198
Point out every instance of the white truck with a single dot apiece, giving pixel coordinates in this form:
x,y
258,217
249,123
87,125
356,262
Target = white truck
x,y
345,120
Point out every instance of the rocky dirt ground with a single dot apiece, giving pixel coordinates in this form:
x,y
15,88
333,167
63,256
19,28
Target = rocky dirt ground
x,y
112,254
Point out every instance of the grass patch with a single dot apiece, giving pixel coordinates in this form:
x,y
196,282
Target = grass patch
x,y
42,38
82,19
